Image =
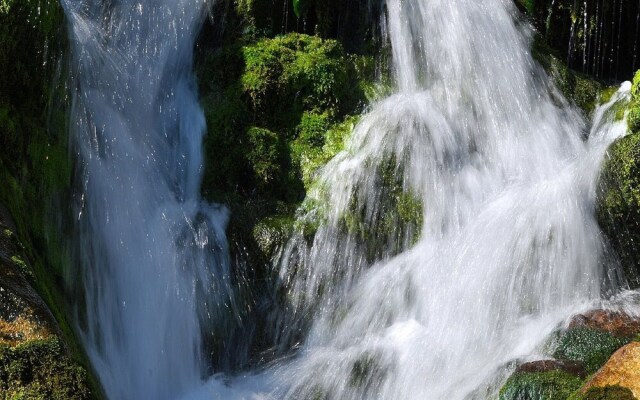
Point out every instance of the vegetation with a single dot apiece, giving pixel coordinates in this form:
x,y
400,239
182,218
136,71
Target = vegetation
x,y
41,370
551,385
590,347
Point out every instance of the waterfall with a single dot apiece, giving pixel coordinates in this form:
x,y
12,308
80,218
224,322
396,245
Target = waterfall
x,y
454,234
154,260
505,172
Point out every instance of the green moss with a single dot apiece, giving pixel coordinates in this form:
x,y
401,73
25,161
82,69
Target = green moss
x,y
289,74
604,393
22,266
41,370
633,117
299,87
588,346
618,205
552,385
318,142
635,88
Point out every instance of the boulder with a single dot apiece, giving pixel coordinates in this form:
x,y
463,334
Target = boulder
x,y
622,369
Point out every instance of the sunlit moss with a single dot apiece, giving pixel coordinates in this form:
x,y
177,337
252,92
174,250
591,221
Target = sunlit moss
x,y
551,385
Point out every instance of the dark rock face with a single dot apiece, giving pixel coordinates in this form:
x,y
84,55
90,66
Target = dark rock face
x,y
597,37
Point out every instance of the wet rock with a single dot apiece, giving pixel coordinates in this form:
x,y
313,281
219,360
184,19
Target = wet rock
x,y
622,369
616,323
570,367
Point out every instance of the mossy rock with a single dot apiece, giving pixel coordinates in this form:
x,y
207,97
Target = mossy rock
x,y
552,385
618,203
41,369
604,393
281,98
590,347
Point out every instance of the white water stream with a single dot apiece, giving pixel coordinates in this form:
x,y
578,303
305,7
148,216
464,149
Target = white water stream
x,y
504,168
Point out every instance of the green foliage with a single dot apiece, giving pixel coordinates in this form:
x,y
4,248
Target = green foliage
x,y
289,74
551,385
604,393
635,88
41,369
589,346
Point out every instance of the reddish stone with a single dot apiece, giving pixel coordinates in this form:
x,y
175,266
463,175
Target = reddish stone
x,y
614,322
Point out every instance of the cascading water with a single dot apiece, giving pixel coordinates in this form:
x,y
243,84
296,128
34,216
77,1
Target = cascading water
x,y
153,255
454,234
509,246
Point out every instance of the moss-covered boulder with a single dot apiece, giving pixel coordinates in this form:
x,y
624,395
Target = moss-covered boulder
x,y
551,385
278,98
618,204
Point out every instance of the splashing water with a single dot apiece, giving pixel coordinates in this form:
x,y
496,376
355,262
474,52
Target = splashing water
x,y
154,257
